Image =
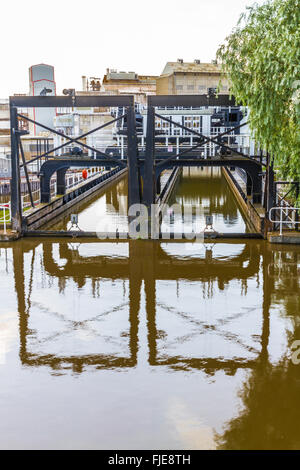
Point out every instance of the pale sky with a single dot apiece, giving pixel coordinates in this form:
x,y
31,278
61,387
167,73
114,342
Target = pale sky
x,y
86,37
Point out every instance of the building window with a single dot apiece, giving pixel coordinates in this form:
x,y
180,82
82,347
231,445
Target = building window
x,y
179,87
201,87
190,87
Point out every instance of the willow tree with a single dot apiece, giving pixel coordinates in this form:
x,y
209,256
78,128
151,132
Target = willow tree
x,y
261,58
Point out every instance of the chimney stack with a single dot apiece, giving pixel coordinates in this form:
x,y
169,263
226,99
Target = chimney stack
x,y
84,83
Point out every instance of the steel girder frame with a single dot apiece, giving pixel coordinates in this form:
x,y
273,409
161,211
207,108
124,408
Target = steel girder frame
x,y
16,102
153,168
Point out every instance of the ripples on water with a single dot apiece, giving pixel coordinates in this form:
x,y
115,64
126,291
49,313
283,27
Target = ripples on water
x,y
149,345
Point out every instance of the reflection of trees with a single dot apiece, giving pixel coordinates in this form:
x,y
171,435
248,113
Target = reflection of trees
x,y
270,396
285,270
271,415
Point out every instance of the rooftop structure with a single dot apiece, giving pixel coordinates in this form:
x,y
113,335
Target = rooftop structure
x,y
190,78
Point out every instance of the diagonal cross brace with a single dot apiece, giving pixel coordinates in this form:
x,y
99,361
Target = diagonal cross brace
x,y
25,168
72,140
179,154
207,139
204,140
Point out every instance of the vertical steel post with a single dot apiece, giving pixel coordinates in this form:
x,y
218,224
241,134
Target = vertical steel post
x,y
271,185
134,189
61,181
280,231
297,211
149,173
249,185
16,206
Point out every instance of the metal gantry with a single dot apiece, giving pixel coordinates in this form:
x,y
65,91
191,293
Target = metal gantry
x,y
144,167
155,163
102,158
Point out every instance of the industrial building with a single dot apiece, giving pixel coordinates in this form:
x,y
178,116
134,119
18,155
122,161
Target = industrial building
x,y
177,78
122,83
191,78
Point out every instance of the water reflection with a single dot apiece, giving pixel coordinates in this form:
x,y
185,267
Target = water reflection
x,y
225,311
270,396
208,190
104,210
205,189
233,335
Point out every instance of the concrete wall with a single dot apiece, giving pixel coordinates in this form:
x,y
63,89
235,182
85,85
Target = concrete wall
x,y
180,83
254,215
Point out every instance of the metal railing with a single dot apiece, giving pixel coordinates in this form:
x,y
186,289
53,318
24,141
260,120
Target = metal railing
x,y
77,178
287,216
36,195
72,180
5,215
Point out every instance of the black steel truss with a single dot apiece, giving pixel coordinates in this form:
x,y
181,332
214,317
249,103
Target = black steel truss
x,y
153,162
204,138
70,139
67,102
151,165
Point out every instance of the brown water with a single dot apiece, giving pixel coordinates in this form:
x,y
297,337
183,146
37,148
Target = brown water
x,y
105,211
149,345
206,189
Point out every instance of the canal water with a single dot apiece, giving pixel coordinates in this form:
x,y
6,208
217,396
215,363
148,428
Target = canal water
x,y
205,189
141,344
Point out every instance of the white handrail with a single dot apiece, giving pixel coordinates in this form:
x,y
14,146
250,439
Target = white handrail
x,y
284,210
4,208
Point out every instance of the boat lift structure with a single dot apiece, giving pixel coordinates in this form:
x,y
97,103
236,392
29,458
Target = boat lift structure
x,y
144,165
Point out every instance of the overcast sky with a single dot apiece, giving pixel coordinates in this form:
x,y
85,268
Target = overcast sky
x,y
86,37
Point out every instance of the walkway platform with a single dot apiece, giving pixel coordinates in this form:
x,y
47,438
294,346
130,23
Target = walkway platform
x,y
124,236
287,238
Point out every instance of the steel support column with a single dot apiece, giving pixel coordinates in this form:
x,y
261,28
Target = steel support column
x,y
249,185
45,187
158,184
16,206
270,189
134,181
257,190
61,181
149,191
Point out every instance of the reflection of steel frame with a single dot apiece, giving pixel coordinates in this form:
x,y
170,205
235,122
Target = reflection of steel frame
x,y
208,364
166,268
172,268
100,361
138,268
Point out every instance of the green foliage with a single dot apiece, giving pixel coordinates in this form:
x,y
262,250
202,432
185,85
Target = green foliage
x,y
262,60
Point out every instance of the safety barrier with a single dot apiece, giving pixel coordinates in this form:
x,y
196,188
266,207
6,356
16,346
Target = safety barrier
x,y
5,215
287,216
